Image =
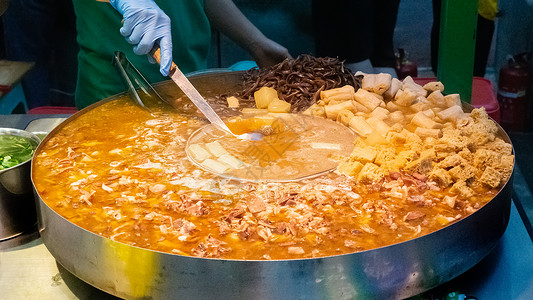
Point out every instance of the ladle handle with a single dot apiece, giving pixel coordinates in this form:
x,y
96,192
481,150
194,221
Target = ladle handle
x,y
185,85
156,54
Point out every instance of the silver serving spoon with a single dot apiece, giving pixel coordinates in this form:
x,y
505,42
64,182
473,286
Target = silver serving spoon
x,y
185,85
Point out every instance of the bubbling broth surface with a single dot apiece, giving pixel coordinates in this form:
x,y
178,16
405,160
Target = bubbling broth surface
x,y
123,173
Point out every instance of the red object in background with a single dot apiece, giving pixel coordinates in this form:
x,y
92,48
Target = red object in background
x,y
52,110
513,86
482,95
404,67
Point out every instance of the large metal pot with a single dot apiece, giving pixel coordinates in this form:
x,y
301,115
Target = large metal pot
x,y
396,271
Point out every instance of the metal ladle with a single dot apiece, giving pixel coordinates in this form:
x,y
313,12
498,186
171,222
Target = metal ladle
x,y
185,85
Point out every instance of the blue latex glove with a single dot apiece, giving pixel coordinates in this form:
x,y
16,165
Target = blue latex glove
x,y
145,24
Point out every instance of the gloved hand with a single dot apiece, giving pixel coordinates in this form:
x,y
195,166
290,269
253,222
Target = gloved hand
x,y
145,24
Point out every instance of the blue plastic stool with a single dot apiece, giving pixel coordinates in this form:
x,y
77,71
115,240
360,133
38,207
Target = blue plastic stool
x,y
14,101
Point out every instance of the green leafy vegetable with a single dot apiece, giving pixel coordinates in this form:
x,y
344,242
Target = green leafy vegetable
x,y
15,150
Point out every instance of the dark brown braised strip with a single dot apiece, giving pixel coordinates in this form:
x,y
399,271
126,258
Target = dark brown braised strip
x,y
299,81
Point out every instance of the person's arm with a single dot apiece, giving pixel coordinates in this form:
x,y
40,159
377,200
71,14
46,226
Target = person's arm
x,y
229,20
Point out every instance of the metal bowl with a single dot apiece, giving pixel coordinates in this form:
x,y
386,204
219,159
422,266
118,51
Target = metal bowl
x,y
396,271
17,202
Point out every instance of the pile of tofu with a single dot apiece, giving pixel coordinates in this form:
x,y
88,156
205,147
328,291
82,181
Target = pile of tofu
x,y
405,127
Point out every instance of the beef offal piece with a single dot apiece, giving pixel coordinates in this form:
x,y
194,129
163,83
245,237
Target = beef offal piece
x,y
299,81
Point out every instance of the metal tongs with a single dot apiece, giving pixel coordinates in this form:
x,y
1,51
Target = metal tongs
x,y
133,79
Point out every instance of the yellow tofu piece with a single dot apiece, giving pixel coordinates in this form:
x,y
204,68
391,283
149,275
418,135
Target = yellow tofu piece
x,y
451,161
363,154
279,106
463,172
216,149
233,102
500,146
505,167
264,96
485,157
461,188
231,161
349,167
198,152
384,155
370,173
216,166
441,177
491,177
423,164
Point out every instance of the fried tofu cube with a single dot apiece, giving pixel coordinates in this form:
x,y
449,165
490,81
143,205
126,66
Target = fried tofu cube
x,y
441,155
423,164
485,157
452,141
408,155
370,173
349,167
491,177
500,146
413,141
467,155
396,138
384,155
233,102
461,188
441,177
363,154
463,172
505,167
478,134
451,161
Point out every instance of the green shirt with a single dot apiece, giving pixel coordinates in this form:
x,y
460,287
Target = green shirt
x,y
98,25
